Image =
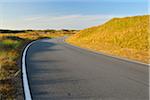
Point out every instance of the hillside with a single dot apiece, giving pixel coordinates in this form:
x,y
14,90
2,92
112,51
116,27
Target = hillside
x,y
126,37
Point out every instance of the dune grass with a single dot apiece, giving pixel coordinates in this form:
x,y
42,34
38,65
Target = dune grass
x,y
11,45
8,66
126,37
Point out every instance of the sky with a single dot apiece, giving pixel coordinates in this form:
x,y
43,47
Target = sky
x,y
65,14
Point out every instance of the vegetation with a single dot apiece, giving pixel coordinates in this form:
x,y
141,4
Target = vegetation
x,y
126,37
11,45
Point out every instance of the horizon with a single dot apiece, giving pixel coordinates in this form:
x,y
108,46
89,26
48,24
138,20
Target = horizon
x,y
64,28
64,14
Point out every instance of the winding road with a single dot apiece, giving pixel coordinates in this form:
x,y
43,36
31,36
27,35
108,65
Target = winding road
x,y
59,71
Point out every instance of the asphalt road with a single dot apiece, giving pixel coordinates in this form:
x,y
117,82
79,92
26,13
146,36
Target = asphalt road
x,y
58,71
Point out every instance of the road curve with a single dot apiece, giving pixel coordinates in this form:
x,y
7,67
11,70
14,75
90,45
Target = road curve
x,y
58,71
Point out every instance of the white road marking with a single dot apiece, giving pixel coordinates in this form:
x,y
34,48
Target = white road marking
x,y
27,91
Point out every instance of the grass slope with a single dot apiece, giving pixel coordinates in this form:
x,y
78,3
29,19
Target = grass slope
x,y
126,37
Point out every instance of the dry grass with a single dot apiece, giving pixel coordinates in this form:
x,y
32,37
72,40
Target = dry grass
x,y
11,45
126,37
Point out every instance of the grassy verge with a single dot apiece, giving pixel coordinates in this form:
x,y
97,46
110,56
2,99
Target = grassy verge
x,y
9,49
126,37
11,45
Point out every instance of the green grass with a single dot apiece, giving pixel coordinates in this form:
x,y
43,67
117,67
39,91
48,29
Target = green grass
x,y
126,37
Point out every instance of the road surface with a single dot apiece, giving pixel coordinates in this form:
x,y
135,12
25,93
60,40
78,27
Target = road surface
x,y
58,71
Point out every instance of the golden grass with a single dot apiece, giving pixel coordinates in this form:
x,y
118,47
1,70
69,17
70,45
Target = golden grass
x,y
36,35
9,53
126,37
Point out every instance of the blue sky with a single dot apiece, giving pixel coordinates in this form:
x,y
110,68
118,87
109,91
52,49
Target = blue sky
x,y
65,14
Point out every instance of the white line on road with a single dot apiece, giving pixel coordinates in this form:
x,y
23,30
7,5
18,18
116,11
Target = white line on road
x,y
27,91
